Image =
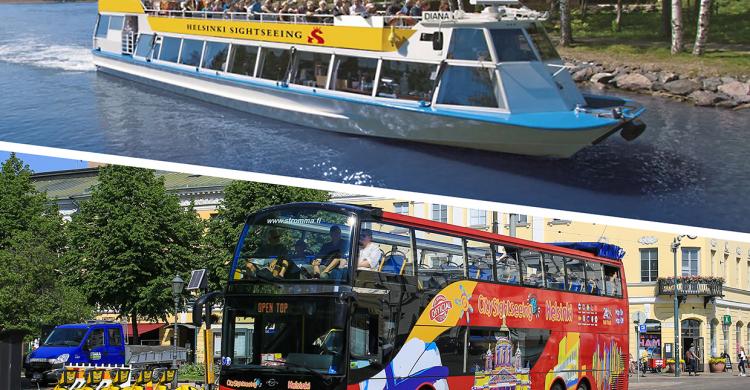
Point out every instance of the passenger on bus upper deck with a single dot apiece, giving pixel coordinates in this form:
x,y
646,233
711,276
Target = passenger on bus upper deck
x,y
369,252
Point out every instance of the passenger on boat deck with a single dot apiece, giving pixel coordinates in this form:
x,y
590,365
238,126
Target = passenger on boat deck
x,y
268,7
445,5
406,9
393,9
254,9
338,8
357,8
347,7
323,10
370,9
419,7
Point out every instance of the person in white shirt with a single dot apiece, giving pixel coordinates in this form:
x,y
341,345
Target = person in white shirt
x,y
369,252
743,361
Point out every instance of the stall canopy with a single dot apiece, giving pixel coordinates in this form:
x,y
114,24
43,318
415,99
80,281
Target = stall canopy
x,y
144,327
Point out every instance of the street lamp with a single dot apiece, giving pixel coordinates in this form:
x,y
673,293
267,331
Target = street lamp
x,y
177,284
675,246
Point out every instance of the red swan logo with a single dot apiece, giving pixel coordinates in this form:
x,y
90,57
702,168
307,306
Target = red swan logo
x,y
316,36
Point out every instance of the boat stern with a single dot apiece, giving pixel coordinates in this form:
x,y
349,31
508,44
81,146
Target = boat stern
x,y
626,111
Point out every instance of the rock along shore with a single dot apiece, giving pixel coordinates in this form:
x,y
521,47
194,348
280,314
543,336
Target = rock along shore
x,y
726,92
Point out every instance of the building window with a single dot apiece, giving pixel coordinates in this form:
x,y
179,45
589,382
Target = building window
x,y
477,218
401,208
649,264
521,219
690,261
440,213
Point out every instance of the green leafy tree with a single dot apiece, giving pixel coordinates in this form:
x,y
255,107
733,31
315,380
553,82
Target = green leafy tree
x,y
32,240
128,241
242,198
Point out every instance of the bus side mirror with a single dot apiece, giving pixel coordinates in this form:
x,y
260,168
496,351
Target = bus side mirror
x,y
437,40
200,303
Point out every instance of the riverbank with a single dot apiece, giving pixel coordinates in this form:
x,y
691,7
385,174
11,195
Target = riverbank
x,y
701,90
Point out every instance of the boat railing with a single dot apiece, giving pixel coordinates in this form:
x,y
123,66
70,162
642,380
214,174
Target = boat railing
x,y
399,21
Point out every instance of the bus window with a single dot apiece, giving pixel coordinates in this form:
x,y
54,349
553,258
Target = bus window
x,y
507,267
451,346
612,281
468,44
480,260
594,278
393,253
440,259
364,338
554,271
531,267
576,276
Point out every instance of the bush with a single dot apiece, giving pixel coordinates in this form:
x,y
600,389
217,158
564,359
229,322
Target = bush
x,y
192,370
671,361
716,360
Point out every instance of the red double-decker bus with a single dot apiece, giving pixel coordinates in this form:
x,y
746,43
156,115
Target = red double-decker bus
x,y
345,297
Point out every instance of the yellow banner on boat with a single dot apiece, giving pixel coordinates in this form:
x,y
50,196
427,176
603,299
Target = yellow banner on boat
x,y
362,38
124,6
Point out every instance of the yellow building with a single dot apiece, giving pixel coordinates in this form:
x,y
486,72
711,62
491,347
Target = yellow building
x,y
714,316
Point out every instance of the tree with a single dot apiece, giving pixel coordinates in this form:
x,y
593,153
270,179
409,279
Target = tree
x,y
566,34
703,22
666,17
242,198
32,240
24,209
128,241
676,26
618,16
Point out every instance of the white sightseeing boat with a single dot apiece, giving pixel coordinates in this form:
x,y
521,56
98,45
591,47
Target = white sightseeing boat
x,y
489,80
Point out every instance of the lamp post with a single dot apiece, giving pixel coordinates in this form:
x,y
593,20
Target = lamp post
x,y
177,284
675,246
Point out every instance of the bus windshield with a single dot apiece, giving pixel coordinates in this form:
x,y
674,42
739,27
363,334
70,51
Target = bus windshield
x,y
296,243
290,334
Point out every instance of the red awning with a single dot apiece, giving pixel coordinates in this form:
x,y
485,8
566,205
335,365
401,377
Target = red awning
x,y
144,327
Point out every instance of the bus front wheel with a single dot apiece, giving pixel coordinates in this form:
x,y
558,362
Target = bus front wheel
x,y
557,386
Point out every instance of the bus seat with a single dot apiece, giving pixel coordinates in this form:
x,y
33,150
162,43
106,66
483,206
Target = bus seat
x,y
393,264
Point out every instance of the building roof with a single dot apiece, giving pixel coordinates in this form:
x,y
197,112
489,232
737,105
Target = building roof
x,y
78,183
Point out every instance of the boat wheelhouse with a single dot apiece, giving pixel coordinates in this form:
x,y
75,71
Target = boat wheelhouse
x,y
489,80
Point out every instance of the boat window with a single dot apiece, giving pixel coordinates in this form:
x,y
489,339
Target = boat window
x,y
469,44
215,55
511,45
116,22
274,64
103,26
191,52
543,44
170,48
311,69
352,74
143,47
554,271
467,86
405,80
242,60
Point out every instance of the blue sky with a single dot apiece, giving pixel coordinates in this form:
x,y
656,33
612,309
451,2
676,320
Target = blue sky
x,y
45,164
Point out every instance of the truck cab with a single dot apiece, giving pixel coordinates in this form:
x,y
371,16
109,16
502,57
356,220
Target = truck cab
x,y
99,343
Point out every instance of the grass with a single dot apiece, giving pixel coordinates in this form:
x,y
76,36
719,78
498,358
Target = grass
x,y
640,40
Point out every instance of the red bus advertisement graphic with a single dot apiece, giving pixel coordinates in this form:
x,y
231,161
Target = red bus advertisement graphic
x,y
529,341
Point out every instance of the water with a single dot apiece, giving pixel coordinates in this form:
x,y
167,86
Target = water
x,y
690,167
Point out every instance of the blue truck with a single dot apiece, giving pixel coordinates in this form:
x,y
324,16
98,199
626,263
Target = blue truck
x,y
97,343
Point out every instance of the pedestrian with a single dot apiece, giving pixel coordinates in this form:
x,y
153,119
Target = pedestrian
x,y
743,361
692,361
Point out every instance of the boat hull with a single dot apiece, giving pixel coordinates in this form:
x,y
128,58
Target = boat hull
x,y
358,118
